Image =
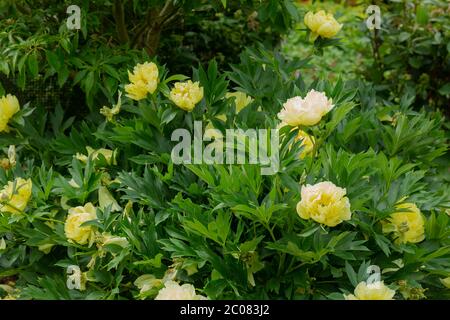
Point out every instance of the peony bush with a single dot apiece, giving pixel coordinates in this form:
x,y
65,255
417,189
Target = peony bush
x,y
96,208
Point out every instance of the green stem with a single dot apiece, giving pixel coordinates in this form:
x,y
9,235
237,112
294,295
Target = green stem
x,y
270,231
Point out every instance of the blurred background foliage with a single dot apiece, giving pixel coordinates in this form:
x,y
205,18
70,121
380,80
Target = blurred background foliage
x,y
38,54
409,54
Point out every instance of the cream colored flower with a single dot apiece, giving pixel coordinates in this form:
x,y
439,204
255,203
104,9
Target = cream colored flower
x,y
292,112
446,282
308,111
109,155
307,143
105,199
109,113
12,155
147,282
186,94
372,291
325,203
9,105
5,164
144,80
12,293
322,24
136,91
173,291
241,100
407,226
46,248
76,217
107,238
15,195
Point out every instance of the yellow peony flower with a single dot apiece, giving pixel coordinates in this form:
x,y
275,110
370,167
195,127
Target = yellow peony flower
x,y
9,105
307,143
46,248
136,91
173,291
325,203
322,24
308,111
108,154
15,195
446,282
186,94
147,282
76,217
407,226
241,100
105,199
372,291
109,113
144,80
106,239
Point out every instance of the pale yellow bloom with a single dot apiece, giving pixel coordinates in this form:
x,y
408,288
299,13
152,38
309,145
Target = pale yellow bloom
x,y
109,113
372,291
307,143
325,203
107,238
322,24
446,282
173,291
306,112
186,94
136,91
144,80
12,293
73,184
15,195
407,226
12,155
2,244
109,155
147,282
5,164
9,105
76,217
105,199
241,100
46,248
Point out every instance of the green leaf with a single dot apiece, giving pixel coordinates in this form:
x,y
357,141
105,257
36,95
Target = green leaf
x,y
445,89
63,74
89,82
351,274
111,71
33,64
53,60
383,243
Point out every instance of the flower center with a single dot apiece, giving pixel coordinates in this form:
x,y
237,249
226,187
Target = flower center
x,y
403,227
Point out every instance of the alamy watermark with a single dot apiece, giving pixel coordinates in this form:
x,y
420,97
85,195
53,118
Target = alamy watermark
x,y
374,19
74,20
374,273
239,147
74,277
